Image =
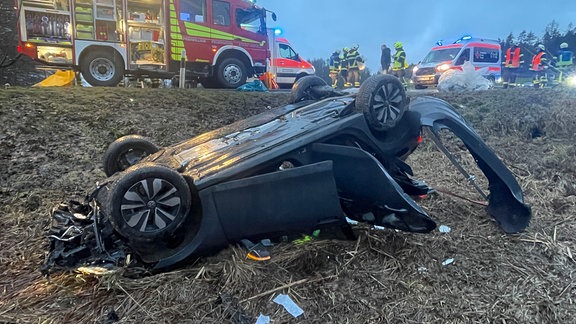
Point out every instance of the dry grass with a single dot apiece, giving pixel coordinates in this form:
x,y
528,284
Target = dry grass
x,y
52,145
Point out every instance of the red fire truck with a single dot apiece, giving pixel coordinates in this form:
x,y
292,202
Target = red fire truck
x,y
223,42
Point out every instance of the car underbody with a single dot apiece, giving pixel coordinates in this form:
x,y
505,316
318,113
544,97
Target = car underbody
x,y
311,164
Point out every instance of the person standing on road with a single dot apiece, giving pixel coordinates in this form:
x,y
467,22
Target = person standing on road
x,y
344,66
353,68
334,64
399,66
385,58
512,63
539,67
564,60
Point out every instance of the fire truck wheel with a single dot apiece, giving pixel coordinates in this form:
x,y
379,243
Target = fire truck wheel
x,y
148,203
102,68
231,73
303,89
382,99
125,152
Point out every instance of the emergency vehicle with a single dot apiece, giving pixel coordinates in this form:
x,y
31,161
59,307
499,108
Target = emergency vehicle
x,y
288,66
484,54
223,42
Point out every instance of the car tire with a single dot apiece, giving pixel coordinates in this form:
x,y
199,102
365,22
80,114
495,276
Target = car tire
x,y
383,100
102,68
149,203
302,89
127,151
231,73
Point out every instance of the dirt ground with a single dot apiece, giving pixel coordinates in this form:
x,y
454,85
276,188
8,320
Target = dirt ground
x,y
51,147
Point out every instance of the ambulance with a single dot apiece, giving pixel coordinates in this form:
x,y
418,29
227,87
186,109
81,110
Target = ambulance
x,y
221,43
484,54
287,65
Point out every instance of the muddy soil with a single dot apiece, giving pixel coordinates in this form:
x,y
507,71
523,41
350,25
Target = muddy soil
x,y
51,147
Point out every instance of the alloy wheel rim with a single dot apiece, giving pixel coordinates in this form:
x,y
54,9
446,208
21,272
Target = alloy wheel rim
x,y
387,102
151,205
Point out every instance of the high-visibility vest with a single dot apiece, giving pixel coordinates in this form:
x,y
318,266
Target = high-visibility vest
x,y
564,58
352,56
334,62
536,60
399,56
512,61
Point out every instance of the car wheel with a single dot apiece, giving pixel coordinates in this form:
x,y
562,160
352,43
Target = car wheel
x,y
125,152
382,99
149,203
303,89
102,68
231,73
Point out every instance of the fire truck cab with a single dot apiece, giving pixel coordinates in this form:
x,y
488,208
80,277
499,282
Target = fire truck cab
x,y
221,42
484,54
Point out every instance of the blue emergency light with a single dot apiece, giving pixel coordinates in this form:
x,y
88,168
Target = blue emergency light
x,y
463,38
277,31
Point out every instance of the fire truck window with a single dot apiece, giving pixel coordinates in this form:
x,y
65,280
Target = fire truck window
x,y
252,20
465,56
486,55
221,13
193,10
287,52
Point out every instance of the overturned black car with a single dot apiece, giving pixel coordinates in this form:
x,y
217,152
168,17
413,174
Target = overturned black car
x,y
310,164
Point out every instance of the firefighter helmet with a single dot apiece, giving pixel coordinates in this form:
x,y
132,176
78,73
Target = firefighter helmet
x,y
345,49
397,45
564,45
542,47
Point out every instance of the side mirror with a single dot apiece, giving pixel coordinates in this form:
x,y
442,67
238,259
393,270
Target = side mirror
x,y
274,16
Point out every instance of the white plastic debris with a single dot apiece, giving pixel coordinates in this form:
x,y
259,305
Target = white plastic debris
x,y
263,319
444,229
422,270
289,305
351,221
467,79
448,261
380,228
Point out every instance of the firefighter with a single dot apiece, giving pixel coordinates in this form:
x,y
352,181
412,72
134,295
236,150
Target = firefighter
x,y
334,64
399,66
512,64
564,60
344,66
385,59
564,57
353,69
539,67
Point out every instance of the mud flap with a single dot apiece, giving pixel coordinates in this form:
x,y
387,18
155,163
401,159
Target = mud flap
x,y
505,201
362,179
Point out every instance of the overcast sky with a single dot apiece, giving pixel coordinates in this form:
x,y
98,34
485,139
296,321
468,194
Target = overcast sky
x,y
316,28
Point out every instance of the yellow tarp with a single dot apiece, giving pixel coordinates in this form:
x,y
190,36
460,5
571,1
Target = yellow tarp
x,y
59,79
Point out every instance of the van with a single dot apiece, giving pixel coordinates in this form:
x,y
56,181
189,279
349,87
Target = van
x,y
288,65
484,54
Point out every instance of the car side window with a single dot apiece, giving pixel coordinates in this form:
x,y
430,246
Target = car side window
x,y
486,55
288,53
464,57
193,11
221,13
